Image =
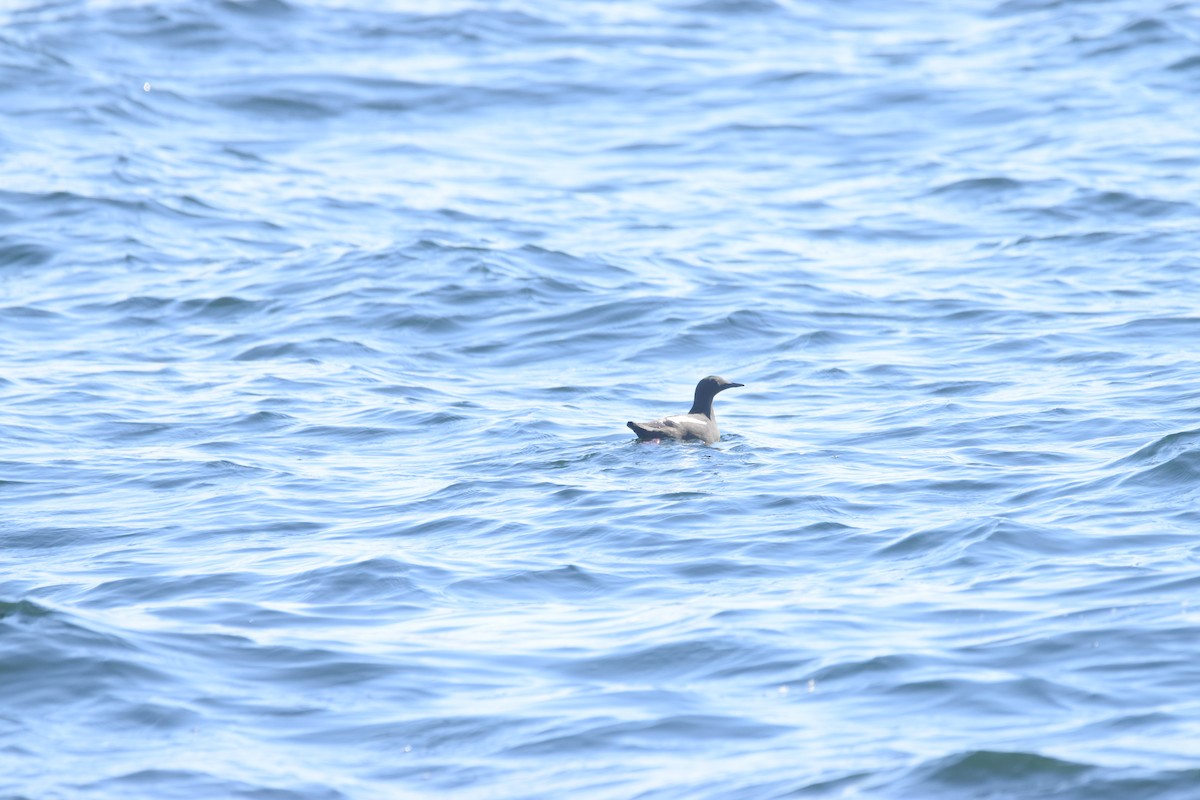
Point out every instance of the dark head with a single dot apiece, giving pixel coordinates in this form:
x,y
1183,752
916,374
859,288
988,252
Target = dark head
x,y
706,390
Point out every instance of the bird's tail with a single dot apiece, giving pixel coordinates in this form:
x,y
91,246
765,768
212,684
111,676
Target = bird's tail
x,y
641,432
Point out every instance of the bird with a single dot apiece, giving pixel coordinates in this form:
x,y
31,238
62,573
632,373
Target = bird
x,y
699,424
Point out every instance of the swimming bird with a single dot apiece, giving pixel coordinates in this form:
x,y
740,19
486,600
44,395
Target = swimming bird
x,y
698,424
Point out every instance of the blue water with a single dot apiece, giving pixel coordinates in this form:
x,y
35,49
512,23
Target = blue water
x,y
320,323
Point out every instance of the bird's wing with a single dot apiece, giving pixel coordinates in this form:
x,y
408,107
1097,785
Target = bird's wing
x,y
683,426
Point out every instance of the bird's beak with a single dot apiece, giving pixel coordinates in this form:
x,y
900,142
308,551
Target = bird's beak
x,y
734,385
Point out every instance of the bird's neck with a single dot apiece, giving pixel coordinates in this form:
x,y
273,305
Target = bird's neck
x,y
702,405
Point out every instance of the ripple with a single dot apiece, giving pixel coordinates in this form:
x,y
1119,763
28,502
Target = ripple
x,y
1012,771
23,254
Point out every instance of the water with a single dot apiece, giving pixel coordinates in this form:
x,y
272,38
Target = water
x,y
321,323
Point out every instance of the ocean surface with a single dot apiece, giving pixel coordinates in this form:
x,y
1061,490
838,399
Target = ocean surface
x,y
320,323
